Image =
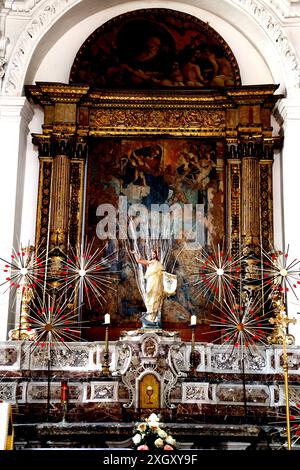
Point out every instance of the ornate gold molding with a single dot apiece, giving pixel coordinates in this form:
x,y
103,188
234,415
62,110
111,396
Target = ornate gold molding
x,y
76,201
43,208
156,118
157,131
266,204
157,121
234,205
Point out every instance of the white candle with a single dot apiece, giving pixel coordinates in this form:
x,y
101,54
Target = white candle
x,y
107,318
193,320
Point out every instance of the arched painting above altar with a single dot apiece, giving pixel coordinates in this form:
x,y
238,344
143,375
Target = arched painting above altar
x,y
155,48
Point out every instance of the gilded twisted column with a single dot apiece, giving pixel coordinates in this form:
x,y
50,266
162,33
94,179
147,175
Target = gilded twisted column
x,y
61,150
250,220
61,182
60,196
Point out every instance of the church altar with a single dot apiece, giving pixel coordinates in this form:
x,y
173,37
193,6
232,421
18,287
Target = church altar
x,y
203,405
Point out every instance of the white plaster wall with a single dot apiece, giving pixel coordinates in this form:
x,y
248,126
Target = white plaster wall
x,y
277,192
290,171
31,181
277,201
15,116
55,66
293,33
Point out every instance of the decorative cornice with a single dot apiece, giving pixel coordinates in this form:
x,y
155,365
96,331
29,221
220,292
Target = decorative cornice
x,y
51,93
15,107
2,67
273,29
286,110
45,14
4,41
285,8
21,6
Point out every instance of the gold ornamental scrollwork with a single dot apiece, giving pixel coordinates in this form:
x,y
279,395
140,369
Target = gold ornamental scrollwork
x,y
234,205
157,118
266,205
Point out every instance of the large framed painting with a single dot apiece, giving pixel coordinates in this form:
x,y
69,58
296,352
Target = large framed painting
x,y
130,177
155,48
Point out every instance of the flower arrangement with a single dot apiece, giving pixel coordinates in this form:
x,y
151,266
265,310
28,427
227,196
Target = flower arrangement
x,y
148,435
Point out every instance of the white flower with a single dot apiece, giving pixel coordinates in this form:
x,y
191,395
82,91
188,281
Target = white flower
x,y
154,427
142,427
159,442
137,439
162,433
153,418
170,440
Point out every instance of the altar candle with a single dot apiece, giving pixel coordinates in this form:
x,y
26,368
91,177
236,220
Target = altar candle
x,y
64,390
193,320
107,318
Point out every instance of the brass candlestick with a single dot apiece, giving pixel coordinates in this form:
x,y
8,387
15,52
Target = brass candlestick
x,y
280,335
193,364
105,366
23,330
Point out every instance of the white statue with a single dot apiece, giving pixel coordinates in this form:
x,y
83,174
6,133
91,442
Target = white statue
x,y
154,293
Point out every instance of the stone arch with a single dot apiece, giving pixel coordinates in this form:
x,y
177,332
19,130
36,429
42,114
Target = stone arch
x,y
45,26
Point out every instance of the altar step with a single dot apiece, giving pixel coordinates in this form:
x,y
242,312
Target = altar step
x,y
118,436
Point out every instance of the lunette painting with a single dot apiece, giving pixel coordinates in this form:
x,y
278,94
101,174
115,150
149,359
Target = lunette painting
x,y
155,49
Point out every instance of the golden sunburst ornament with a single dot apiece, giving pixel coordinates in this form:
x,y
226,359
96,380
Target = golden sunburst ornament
x,y
88,271
214,274
54,321
279,271
23,270
242,326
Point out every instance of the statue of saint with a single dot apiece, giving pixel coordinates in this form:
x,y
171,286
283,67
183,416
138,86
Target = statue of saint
x,y
154,294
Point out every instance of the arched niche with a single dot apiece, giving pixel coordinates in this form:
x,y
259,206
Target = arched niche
x,y
149,391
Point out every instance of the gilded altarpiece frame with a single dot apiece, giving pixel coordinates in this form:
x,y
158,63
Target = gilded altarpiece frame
x,y
238,116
